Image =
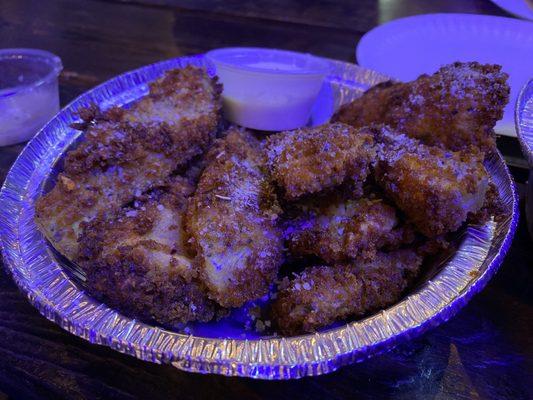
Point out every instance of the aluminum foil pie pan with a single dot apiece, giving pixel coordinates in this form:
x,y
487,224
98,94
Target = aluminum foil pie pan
x,y
224,347
524,121
524,132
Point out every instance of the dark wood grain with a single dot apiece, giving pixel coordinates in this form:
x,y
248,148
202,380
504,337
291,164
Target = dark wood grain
x,y
485,352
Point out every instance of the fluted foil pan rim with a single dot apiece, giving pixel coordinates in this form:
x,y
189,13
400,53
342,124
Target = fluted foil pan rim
x,y
524,121
43,280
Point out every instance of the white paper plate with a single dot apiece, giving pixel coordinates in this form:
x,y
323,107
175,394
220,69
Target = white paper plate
x,y
408,47
520,8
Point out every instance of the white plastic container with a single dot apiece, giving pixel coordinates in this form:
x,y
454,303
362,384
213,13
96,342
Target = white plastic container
x,y
29,95
267,89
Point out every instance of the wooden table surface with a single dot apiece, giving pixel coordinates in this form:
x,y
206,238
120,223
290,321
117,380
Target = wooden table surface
x,y
485,352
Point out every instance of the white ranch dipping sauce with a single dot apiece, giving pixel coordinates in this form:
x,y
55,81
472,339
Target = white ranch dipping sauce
x,y
268,90
268,112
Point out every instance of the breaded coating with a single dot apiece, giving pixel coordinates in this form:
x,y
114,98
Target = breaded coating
x,y
455,108
179,115
137,261
126,152
337,228
322,295
436,189
79,198
309,160
493,206
232,221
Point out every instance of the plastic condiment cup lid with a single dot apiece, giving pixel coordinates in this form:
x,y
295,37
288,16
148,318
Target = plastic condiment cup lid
x,y
35,56
268,61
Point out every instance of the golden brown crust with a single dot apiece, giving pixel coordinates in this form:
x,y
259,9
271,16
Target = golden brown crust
x,y
322,295
126,152
232,222
309,160
436,189
455,108
136,260
155,250
73,200
492,207
337,228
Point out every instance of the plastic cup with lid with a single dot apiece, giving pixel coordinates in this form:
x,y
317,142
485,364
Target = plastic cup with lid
x,y
268,89
29,95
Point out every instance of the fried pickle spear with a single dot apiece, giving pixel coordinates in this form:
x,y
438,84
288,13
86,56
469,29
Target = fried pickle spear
x,y
436,189
309,160
337,228
136,260
322,295
125,152
232,221
454,108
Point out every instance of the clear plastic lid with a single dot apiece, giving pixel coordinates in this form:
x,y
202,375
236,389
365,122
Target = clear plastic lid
x,y
268,61
29,94
26,69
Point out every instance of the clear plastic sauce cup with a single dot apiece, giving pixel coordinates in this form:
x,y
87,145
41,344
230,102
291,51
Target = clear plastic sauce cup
x,y
267,89
29,94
